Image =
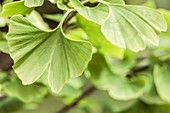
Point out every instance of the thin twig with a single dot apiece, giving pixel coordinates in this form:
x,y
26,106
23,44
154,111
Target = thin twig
x,y
72,105
69,17
137,70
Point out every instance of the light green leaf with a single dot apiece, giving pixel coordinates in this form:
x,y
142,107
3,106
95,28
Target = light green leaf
x,y
25,93
162,81
3,43
118,87
141,23
97,39
14,8
50,53
33,3
77,34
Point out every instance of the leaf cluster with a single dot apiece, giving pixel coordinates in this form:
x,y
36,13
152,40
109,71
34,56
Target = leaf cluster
x,y
107,45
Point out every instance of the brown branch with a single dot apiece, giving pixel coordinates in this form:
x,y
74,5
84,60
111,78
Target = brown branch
x,y
72,105
137,70
68,18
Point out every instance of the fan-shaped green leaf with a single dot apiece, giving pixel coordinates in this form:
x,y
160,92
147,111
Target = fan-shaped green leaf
x,y
39,53
141,26
14,8
126,26
33,3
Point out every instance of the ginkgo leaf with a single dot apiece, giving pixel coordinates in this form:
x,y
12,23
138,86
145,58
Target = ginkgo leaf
x,y
49,53
33,3
162,81
118,87
126,26
14,8
138,30
15,88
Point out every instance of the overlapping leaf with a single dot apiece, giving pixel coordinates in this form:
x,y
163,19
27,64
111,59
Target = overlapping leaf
x,y
38,53
126,26
35,18
98,40
119,87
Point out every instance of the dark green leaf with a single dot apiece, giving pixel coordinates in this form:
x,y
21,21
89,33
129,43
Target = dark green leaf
x,y
119,87
10,105
27,93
